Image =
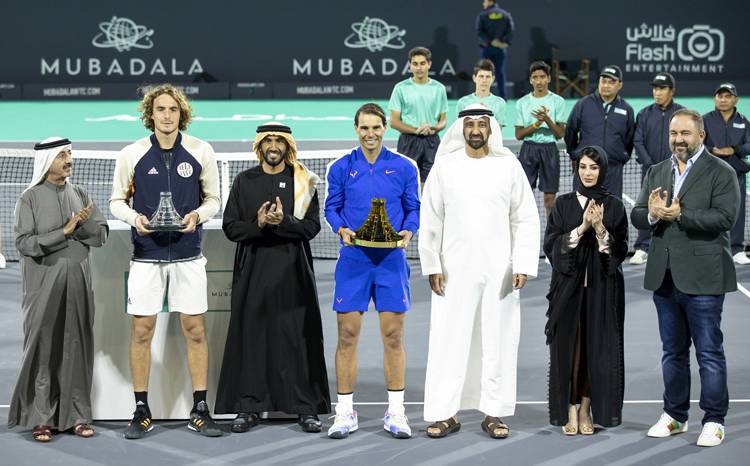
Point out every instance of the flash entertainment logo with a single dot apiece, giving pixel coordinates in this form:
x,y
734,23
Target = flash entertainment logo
x,y
696,49
122,34
375,34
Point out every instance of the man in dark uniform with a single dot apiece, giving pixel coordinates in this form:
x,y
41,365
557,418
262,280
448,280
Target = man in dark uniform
x,y
651,142
604,119
495,33
728,137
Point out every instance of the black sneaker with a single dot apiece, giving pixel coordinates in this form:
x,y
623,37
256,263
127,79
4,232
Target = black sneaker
x,y
201,422
140,425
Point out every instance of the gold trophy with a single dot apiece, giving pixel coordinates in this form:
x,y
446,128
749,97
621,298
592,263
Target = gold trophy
x,y
377,231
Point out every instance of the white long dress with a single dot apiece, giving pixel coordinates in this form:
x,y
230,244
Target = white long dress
x,y
479,224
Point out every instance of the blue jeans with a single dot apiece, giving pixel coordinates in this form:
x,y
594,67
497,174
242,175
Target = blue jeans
x,y
682,318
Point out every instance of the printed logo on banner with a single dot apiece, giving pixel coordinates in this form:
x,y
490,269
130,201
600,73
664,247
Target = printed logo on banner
x,y
375,35
693,49
124,35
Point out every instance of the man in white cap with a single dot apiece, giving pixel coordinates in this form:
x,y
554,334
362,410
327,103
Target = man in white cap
x,y
56,224
479,242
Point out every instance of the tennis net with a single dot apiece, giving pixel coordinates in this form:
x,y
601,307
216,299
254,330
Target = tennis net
x,y
93,170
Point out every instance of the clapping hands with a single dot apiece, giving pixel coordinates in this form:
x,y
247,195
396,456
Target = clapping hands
x,y
270,213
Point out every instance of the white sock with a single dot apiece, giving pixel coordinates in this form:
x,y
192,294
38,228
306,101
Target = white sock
x,y
345,403
396,401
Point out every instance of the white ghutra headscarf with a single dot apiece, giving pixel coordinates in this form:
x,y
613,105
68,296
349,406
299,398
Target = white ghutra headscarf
x,y
44,154
453,139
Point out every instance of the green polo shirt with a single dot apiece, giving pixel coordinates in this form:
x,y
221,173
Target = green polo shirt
x,y
528,103
419,103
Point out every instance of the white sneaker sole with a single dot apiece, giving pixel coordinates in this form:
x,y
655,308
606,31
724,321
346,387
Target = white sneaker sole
x,y
339,434
663,434
399,434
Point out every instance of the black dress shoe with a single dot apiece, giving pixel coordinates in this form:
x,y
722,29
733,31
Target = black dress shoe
x,y
309,423
244,421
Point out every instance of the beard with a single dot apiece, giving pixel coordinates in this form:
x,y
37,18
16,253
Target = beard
x,y
683,156
272,162
476,142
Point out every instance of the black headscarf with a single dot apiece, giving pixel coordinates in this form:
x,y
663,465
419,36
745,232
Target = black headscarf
x,y
596,192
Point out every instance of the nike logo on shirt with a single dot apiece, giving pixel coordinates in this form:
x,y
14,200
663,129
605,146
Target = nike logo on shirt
x,y
388,172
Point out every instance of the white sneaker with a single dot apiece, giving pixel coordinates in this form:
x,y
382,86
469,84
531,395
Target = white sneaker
x,y
639,257
711,435
2,261
397,425
741,258
343,425
666,426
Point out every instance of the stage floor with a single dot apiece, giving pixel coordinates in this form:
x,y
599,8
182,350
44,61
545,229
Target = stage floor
x,y
532,441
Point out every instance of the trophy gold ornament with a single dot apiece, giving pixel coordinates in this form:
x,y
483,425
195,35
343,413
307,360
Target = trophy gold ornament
x,y
165,217
377,231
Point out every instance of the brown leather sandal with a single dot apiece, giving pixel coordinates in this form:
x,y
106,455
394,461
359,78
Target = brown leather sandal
x,y
41,433
443,428
83,430
492,425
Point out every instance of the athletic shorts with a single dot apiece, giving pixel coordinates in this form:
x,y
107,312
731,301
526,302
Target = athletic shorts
x,y
421,149
541,161
358,280
185,283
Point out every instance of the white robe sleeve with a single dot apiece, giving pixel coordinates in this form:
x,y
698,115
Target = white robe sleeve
x,y
431,218
524,225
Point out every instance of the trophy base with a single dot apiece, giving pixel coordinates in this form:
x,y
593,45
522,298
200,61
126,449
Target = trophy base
x,y
379,244
176,227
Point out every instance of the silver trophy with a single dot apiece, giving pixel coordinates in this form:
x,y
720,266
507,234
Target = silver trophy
x,y
166,217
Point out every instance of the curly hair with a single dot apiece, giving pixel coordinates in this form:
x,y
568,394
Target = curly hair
x,y
146,106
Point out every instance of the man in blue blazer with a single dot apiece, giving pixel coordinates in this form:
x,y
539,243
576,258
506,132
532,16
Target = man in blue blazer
x,y
690,202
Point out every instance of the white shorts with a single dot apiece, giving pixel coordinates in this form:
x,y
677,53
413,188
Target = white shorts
x,y
185,283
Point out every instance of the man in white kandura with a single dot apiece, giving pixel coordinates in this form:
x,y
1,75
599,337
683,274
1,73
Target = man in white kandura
x,y
478,243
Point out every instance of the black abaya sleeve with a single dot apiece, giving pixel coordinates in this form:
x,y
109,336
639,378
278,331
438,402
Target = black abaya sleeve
x,y
240,226
616,223
556,236
306,229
